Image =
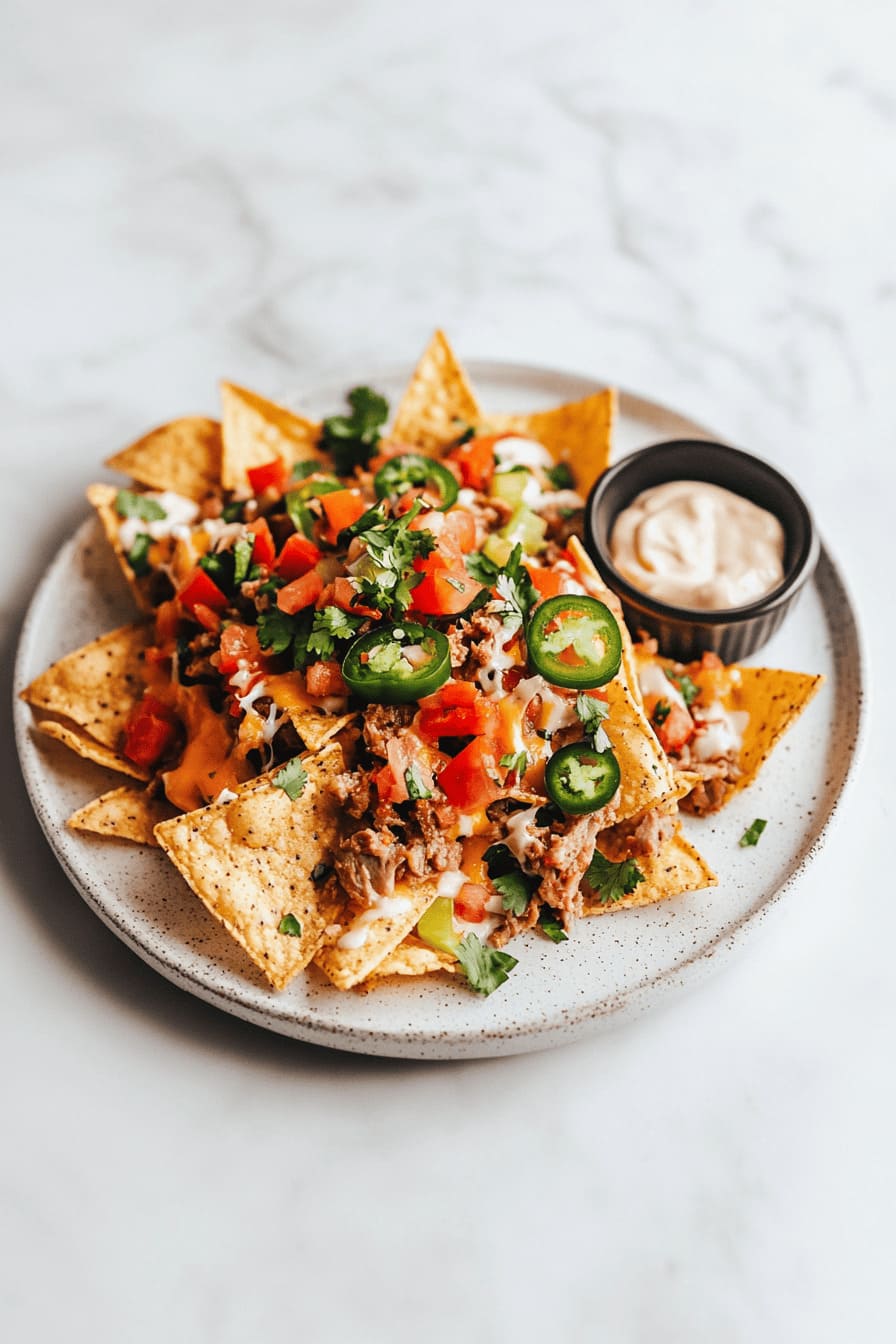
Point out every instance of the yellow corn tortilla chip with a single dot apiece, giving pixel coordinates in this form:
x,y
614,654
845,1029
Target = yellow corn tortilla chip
x,y
183,456
97,686
256,431
439,402
411,958
579,433
316,728
774,701
250,863
674,870
647,777
102,497
348,966
595,587
125,813
75,738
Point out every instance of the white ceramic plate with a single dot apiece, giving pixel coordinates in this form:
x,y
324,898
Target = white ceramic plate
x,y
612,967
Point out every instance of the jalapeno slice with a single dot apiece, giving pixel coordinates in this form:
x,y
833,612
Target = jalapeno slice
x,y
411,471
396,664
579,779
574,641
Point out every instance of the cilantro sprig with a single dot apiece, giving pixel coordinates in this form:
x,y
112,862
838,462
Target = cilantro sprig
x,y
138,555
560,477
511,581
330,626
752,833
388,580
507,877
550,925
292,779
611,881
350,439
592,713
415,786
128,504
486,968
689,689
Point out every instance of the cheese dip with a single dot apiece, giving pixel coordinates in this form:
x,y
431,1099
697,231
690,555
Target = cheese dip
x,y
692,544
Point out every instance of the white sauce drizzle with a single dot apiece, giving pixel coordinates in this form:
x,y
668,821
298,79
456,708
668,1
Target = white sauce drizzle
x,y
179,512
387,907
515,451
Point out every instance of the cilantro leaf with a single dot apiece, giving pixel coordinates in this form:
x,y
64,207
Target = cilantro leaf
x,y
485,967
289,924
507,877
275,630
302,470
242,559
128,504
386,582
661,711
518,762
328,626
292,779
511,581
550,925
416,789
138,555
592,713
560,477
351,439
689,689
752,833
611,881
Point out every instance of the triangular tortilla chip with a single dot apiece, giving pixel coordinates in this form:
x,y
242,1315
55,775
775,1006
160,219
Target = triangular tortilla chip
x,y
251,861
75,738
439,402
96,686
578,433
125,814
675,869
316,728
102,497
256,431
381,933
411,958
647,777
183,456
595,587
774,701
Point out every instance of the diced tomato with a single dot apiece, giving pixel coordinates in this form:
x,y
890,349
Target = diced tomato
x,y
390,789
239,643
269,476
264,552
548,582
459,531
208,619
469,903
301,593
677,727
325,679
452,693
476,460
340,593
445,590
200,588
466,781
297,557
150,732
342,508
459,709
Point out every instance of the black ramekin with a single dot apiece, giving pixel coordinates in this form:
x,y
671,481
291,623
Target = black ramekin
x,y
682,632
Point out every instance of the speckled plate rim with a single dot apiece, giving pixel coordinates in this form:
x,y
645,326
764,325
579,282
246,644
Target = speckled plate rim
x,y
552,1029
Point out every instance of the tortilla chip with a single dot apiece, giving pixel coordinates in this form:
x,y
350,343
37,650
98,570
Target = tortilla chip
x,y
77,740
676,869
96,687
439,402
250,863
411,958
774,701
102,497
578,433
316,728
183,456
595,587
647,777
256,431
348,966
125,813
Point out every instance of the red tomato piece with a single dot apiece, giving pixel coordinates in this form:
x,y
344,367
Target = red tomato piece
x,y
238,643
200,588
445,590
547,581
297,557
458,710
458,531
466,781
208,619
340,593
264,552
150,732
341,508
476,460
677,727
325,679
301,593
269,476
469,903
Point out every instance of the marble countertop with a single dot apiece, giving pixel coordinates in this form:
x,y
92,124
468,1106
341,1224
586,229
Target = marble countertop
x,y
692,200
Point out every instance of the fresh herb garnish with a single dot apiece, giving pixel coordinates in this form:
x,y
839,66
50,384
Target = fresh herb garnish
x,y
507,877
661,711
138,555
416,789
289,924
330,625
128,504
302,470
392,548
550,925
611,881
689,689
592,713
485,967
275,629
242,559
292,779
511,581
752,833
517,762
351,439
560,477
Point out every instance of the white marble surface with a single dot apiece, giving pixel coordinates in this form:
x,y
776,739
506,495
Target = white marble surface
x,y
696,200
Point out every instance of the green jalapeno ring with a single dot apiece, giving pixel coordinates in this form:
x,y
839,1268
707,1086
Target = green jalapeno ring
x,y
410,471
585,617
384,677
579,779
